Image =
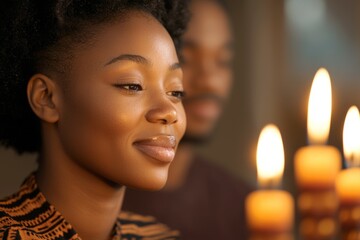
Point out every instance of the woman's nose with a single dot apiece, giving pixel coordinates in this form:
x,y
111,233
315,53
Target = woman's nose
x,y
163,112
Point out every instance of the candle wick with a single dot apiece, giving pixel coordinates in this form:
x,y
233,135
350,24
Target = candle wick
x,y
353,161
270,183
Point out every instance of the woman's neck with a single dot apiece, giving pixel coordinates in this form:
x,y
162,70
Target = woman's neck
x,y
90,204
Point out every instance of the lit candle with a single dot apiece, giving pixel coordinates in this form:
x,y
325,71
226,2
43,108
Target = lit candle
x,y
270,212
317,165
348,180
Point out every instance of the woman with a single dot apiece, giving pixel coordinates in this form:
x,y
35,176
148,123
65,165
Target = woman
x,y
95,88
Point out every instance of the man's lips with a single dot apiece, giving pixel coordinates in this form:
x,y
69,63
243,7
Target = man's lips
x,y
161,148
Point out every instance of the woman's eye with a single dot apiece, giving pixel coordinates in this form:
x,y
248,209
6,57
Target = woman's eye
x,y
178,94
130,87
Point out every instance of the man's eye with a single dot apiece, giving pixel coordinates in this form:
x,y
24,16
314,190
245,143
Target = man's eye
x,y
130,87
178,94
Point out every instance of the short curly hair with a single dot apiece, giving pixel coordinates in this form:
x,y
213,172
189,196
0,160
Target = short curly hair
x,y
31,31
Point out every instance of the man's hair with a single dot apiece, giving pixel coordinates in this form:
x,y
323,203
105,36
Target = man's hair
x,y
38,35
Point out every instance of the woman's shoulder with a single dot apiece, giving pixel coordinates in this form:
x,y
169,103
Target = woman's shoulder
x,y
27,215
20,205
13,232
11,211
135,225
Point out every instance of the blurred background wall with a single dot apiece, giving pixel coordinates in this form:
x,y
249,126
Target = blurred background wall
x,y
279,46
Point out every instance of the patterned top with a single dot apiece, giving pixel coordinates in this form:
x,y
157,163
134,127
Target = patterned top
x,y
28,215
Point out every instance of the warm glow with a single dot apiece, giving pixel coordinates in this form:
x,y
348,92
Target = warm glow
x,y
270,156
351,137
319,109
270,211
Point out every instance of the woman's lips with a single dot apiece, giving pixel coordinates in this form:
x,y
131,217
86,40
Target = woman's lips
x,y
161,148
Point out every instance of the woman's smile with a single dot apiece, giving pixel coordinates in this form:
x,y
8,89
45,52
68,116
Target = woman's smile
x,y
161,148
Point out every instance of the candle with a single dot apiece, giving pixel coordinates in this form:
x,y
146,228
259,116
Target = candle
x,y
348,181
317,166
348,186
269,211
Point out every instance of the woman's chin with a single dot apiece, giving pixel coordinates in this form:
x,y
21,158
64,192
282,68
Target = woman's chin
x,y
152,184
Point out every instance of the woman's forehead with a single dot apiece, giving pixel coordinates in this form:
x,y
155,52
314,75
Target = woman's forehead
x,y
139,34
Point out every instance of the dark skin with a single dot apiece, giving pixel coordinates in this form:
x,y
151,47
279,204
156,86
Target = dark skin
x,y
114,120
208,77
207,70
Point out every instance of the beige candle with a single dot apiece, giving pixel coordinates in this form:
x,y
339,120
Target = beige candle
x,y
348,186
348,181
317,166
270,212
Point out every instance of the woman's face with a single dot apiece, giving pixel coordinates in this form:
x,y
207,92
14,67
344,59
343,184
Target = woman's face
x,y
121,115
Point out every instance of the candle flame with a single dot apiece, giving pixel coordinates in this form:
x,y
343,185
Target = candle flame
x,y
319,108
270,156
351,137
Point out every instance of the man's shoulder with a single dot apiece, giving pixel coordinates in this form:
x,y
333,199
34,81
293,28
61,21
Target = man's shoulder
x,y
213,174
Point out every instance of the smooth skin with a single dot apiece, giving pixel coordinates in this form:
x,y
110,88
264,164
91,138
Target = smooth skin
x,y
208,73
208,77
113,120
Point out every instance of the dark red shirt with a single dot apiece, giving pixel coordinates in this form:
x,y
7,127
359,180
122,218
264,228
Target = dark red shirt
x,y
210,205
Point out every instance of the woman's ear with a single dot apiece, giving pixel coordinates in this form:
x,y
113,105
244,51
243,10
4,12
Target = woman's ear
x,y
42,95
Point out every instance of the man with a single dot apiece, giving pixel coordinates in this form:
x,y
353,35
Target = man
x,y
200,199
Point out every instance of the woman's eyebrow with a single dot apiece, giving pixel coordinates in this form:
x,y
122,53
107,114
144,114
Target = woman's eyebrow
x,y
139,59
129,57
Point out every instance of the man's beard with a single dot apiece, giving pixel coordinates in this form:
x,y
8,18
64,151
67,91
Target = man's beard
x,y
201,139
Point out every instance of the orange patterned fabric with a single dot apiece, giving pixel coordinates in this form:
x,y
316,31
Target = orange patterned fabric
x,y
28,215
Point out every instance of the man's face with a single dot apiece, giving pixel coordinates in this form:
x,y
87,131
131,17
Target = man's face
x,y
207,67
